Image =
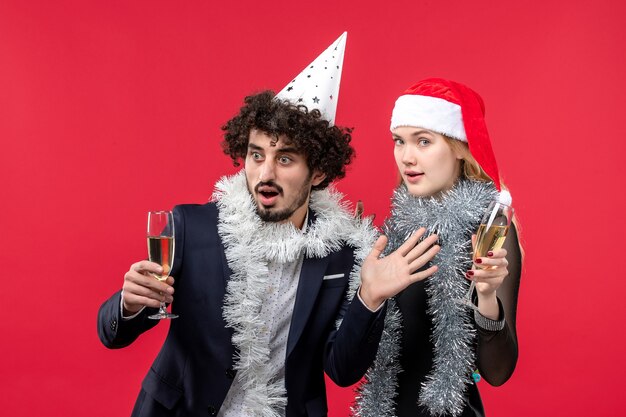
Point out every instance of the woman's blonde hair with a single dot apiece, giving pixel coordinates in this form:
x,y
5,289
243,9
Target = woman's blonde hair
x,y
469,167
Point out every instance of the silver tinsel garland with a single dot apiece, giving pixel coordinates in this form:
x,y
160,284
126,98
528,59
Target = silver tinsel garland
x,y
454,216
250,244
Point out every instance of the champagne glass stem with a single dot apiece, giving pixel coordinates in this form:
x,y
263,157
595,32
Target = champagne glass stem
x,y
162,309
470,291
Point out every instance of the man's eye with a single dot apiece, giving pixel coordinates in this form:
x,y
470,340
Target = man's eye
x,y
256,156
284,160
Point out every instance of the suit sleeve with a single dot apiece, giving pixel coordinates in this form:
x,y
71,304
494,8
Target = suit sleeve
x,y
115,332
352,348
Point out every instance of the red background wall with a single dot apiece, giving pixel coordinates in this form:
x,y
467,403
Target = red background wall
x,y
108,109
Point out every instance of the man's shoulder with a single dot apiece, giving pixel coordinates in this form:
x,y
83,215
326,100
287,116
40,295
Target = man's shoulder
x,y
197,212
197,208
344,250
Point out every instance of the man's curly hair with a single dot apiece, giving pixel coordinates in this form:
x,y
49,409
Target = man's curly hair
x,y
326,148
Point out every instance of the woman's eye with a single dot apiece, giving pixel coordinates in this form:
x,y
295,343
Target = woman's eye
x,y
423,142
398,141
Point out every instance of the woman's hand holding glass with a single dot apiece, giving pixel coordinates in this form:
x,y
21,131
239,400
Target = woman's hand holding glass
x,y
488,273
490,264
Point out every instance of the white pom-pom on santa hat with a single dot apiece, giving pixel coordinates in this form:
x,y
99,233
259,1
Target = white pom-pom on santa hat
x,y
505,198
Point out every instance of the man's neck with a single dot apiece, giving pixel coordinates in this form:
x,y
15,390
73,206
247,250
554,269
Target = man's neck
x,y
299,219
299,216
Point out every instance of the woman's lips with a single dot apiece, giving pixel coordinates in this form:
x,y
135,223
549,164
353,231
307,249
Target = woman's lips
x,y
413,177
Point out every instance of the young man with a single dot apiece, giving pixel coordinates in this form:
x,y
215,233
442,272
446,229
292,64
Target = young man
x,y
264,274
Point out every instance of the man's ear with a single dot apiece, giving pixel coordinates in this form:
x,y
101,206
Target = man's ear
x,y
317,178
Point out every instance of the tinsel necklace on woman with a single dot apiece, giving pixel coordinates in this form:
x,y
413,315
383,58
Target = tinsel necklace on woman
x,y
454,216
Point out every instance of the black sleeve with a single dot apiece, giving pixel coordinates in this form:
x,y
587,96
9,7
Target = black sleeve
x,y
497,352
352,348
115,332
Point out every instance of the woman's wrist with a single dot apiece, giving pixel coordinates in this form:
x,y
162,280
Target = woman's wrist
x,y
488,305
491,323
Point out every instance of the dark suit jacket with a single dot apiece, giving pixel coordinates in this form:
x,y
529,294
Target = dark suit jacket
x,y
193,371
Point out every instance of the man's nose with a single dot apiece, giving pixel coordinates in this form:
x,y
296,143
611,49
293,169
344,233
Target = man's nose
x,y
267,172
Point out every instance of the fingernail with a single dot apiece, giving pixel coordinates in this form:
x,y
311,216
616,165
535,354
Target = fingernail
x,y
489,253
478,261
470,273
170,290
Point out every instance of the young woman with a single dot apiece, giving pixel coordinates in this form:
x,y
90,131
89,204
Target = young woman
x,y
434,349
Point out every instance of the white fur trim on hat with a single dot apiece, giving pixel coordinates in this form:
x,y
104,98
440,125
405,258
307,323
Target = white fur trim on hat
x,y
430,113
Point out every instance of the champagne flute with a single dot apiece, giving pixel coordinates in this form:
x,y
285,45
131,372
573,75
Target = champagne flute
x,y
491,235
160,236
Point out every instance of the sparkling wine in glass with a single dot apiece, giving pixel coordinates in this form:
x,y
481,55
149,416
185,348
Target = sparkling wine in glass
x,y
161,243
491,235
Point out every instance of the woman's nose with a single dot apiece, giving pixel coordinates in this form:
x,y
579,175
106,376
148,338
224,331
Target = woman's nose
x,y
408,156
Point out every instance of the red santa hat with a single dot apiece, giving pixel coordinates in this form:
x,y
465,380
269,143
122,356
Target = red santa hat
x,y
451,109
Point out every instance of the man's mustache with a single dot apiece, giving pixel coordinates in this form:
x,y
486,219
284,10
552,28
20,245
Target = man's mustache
x,y
268,184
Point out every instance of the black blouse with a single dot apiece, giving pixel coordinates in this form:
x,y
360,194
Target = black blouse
x,y
496,351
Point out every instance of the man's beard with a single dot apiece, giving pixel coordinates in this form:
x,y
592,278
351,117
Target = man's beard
x,y
272,215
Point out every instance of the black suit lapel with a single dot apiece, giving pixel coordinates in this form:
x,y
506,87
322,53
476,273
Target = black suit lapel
x,y
311,277
309,284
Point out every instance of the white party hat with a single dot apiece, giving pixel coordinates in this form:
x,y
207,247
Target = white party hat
x,y
317,86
